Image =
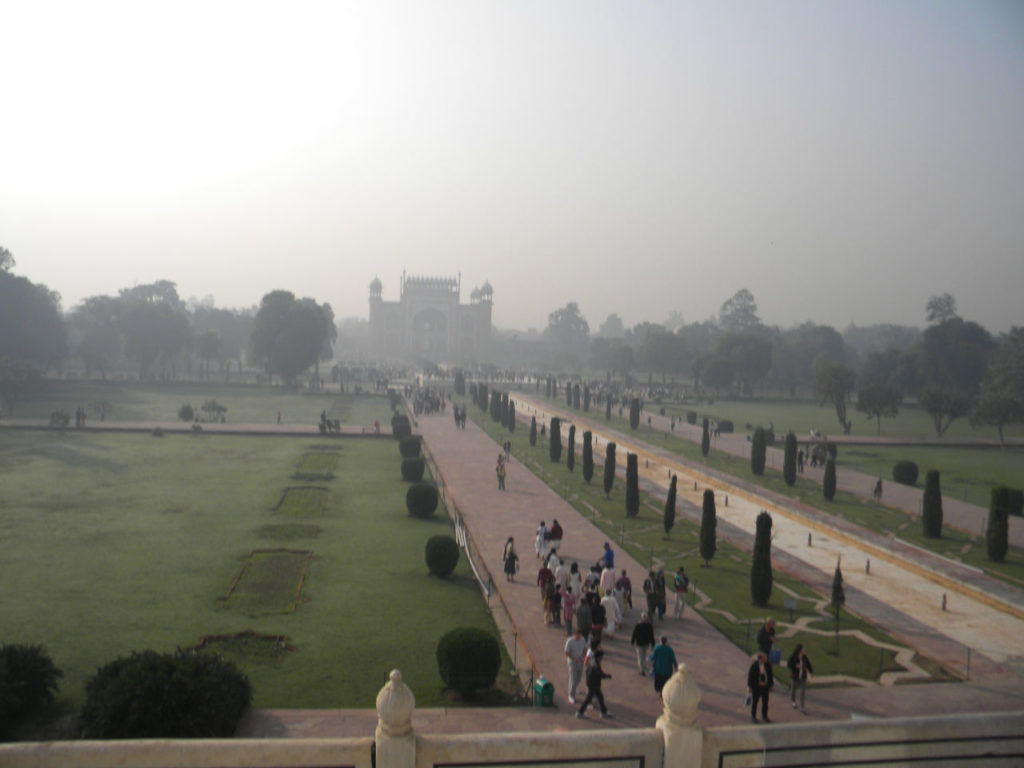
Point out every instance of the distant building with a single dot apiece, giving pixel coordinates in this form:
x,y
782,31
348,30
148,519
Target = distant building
x,y
429,320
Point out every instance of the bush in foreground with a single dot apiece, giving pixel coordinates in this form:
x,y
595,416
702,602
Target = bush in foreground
x,y
410,447
28,681
163,695
905,472
421,499
468,660
442,554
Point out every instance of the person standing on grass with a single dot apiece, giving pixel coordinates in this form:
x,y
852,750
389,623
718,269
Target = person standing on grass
x,y
800,670
642,641
663,663
595,674
575,652
759,684
510,559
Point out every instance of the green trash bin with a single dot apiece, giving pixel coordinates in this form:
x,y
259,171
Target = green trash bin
x,y
543,693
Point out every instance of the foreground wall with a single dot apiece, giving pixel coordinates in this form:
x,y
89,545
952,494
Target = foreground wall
x,y
989,740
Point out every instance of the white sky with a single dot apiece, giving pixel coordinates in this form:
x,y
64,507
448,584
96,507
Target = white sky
x,y
843,160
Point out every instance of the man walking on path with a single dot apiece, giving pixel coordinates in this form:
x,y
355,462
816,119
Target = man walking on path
x,y
555,536
575,651
594,677
663,664
680,582
759,684
642,640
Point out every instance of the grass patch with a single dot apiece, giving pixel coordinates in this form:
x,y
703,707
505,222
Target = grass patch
x,y
270,581
726,583
113,543
317,466
246,647
309,501
289,531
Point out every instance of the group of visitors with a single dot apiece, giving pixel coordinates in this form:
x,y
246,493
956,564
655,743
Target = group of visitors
x,y
761,676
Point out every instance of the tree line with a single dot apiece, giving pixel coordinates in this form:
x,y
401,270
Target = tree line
x,y
954,368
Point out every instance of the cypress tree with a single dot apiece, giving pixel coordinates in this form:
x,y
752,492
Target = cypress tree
x,y
632,485
496,406
533,430
570,457
708,528
761,568
828,480
758,450
608,408
482,400
547,387
586,398
931,506
504,409
669,518
576,396
568,394
705,438
789,460
838,599
511,416
634,413
609,469
588,456
996,533
460,382
555,440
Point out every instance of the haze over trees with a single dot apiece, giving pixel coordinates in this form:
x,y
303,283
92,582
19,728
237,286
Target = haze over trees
x,y
289,335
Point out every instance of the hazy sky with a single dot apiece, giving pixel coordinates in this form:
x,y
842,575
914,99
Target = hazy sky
x,y
842,160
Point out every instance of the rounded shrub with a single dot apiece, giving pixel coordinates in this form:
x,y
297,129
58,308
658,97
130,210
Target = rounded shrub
x,y
691,417
442,554
400,426
468,659
410,446
28,681
186,412
421,499
725,427
412,469
163,695
905,472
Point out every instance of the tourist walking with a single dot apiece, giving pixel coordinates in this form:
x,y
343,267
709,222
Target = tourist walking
x,y
759,684
642,640
663,663
575,651
659,593
568,607
541,542
595,674
555,536
800,670
680,583
510,559
766,637
501,471
625,588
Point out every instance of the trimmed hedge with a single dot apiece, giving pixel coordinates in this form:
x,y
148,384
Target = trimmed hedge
x,y
410,446
725,427
413,469
468,659
905,472
442,555
400,426
28,682
421,499
691,417
161,695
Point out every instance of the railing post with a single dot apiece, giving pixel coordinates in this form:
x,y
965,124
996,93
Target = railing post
x,y
684,740
395,740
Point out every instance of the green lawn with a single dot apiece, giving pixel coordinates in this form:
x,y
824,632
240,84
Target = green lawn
x,y
726,582
160,402
114,543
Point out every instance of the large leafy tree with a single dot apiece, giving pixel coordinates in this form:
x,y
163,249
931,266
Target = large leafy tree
x,y
796,351
750,355
739,313
96,333
288,334
154,325
661,351
834,383
31,326
879,402
953,356
1001,395
570,331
